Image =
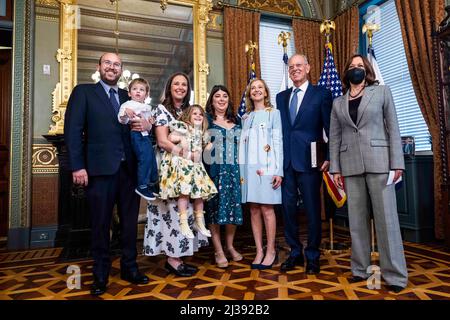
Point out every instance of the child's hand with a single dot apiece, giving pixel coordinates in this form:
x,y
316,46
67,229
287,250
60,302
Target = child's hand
x,y
130,113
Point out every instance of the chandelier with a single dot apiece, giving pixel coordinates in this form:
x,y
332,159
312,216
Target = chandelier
x,y
126,76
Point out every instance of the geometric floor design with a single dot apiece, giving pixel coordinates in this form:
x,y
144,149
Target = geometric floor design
x,y
39,275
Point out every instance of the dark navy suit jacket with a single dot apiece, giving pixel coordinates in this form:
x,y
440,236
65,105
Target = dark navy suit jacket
x,y
312,117
95,139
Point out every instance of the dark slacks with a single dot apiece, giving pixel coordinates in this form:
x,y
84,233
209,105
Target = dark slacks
x,y
103,192
309,185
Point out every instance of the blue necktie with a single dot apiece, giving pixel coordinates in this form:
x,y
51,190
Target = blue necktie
x,y
293,105
112,98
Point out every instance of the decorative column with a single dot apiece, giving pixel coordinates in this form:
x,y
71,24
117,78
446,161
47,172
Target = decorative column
x,y
21,126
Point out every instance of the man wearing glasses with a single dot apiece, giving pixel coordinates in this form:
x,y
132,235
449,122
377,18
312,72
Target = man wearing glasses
x,y
305,112
102,160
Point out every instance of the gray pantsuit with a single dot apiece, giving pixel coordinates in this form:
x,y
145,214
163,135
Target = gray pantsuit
x,y
364,153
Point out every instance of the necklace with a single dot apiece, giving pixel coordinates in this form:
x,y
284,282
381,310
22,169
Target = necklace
x,y
354,96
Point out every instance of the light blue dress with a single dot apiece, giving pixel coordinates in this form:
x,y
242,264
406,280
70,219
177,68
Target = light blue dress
x,y
261,156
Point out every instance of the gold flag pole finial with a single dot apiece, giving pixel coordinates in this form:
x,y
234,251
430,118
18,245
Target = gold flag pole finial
x,y
326,26
250,48
283,39
370,28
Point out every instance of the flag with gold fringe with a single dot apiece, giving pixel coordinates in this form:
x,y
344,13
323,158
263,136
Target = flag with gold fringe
x,y
329,79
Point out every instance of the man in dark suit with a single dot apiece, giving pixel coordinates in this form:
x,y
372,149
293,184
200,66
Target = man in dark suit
x,y
305,111
101,159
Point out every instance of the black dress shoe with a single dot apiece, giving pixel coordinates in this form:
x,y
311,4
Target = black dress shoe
x,y
291,262
190,267
98,287
354,279
134,277
313,267
395,288
180,271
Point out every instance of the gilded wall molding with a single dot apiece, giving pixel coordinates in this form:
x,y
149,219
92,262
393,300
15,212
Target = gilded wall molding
x,y
289,7
216,21
47,3
44,159
67,56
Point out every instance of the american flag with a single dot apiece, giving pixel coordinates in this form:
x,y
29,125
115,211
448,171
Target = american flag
x,y
373,62
329,78
242,106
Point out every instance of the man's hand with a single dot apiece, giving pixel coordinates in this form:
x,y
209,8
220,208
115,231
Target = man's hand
x,y
325,165
80,177
338,180
140,124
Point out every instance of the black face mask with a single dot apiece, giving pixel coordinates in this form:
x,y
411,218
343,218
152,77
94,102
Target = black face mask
x,y
356,75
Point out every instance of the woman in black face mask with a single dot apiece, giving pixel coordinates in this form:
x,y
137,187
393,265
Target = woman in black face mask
x,y
365,148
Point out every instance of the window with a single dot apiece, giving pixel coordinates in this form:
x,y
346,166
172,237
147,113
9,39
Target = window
x,y
271,54
391,59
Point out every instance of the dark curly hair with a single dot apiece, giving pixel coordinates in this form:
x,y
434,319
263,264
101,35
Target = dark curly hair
x,y
230,115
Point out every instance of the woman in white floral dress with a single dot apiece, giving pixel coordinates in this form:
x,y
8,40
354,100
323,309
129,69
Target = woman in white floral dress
x,y
162,230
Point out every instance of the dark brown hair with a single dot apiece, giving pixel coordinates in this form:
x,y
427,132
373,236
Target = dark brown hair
x,y
249,102
230,115
187,113
370,73
167,99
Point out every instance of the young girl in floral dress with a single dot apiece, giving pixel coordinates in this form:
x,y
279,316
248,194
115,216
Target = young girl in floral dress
x,y
182,178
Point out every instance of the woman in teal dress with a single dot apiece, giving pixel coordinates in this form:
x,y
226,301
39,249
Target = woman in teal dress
x,y
222,166
261,161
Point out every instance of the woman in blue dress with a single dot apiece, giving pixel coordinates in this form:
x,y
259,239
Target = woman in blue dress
x,y
223,168
261,160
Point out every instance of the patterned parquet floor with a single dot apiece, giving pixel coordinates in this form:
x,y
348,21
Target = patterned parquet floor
x,y
41,275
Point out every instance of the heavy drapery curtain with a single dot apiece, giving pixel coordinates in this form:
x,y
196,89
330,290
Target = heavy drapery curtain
x,y
416,21
345,39
310,42
240,26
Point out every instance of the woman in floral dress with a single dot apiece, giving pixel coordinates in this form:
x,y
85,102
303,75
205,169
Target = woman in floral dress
x,y
223,168
162,230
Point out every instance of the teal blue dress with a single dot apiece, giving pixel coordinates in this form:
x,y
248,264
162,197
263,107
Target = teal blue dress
x,y
223,168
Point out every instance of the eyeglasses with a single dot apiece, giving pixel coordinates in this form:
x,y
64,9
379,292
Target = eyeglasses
x,y
298,66
108,63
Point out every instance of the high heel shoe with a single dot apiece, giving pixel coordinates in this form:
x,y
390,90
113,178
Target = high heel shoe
x,y
264,266
256,265
236,256
221,260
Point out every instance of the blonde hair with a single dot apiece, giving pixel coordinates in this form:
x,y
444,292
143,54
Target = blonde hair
x,y
186,116
249,102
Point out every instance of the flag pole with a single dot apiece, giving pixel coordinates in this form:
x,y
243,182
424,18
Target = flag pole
x,y
250,48
326,27
283,39
370,29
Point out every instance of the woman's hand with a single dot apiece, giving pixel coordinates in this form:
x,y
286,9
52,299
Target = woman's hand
x,y
397,175
140,124
338,180
276,182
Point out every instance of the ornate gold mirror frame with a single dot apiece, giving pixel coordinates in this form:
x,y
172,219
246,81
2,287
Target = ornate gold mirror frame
x,y
66,56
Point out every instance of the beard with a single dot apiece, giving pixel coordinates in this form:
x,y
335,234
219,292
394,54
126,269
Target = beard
x,y
109,80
